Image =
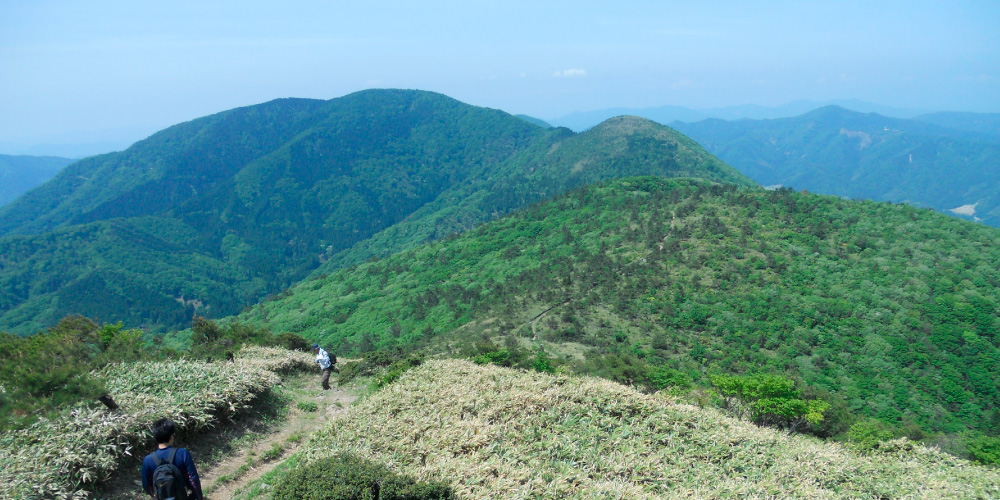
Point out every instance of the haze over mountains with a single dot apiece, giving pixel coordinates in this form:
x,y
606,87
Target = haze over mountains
x,y
19,174
835,151
212,215
582,120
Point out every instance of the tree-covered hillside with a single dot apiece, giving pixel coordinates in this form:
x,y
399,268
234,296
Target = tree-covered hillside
x,y
19,174
889,309
835,151
212,215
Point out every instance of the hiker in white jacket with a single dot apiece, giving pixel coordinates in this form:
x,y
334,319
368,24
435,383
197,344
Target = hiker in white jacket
x,y
325,364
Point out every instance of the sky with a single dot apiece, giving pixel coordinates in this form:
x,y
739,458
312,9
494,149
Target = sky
x,y
88,71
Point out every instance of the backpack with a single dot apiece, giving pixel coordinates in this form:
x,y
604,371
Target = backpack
x,y
168,480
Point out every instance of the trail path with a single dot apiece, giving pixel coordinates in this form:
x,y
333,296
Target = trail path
x,y
226,477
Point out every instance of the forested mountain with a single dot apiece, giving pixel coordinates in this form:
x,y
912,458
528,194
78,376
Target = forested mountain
x,y
835,151
890,311
18,174
212,215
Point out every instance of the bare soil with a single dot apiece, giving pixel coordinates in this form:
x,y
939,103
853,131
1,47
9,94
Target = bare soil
x,y
237,451
228,476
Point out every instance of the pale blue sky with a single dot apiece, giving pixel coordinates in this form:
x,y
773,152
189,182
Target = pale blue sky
x,y
83,70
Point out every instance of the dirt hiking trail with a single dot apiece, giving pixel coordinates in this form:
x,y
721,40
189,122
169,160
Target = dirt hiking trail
x,y
227,476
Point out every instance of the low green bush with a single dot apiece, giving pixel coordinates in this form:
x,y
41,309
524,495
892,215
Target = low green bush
x,y
307,406
395,370
347,477
866,434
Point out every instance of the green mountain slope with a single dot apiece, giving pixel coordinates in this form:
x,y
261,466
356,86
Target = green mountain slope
x,y
214,214
499,433
835,151
890,308
19,174
560,161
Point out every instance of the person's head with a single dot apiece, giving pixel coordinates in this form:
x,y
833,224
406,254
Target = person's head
x,y
163,430
315,347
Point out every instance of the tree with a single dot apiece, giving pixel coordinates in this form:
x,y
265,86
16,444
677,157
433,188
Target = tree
x,y
769,400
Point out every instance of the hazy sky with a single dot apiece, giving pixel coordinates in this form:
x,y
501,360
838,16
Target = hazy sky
x,y
83,70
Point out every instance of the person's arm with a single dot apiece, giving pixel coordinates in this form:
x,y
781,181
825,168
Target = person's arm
x,y
192,474
147,474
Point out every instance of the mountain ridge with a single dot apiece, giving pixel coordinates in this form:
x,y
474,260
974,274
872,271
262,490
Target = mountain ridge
x,y
836,151
20,174
698,278
263,195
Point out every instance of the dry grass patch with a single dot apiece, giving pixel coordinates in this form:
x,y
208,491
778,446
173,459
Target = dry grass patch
x,y
500,433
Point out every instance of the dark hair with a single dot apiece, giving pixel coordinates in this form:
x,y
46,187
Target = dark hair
x,y
163,429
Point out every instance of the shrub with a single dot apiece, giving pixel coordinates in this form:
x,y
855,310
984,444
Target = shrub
x,y
867,434
347,477
53,369
769,400
543,363
662,377
348,371
984,449
292,342
397,369
307,406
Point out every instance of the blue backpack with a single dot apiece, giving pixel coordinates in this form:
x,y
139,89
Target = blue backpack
x,y
168,480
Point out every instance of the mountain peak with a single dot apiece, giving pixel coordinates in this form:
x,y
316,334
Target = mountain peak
x,y
627,125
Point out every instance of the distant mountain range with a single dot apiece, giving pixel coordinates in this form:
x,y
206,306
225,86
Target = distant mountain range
x,y
864,155
19,174
582,120
214,214
983,123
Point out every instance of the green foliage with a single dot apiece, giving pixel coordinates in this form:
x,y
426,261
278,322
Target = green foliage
x,y
543,363
43,374
275,451
307,406
867,434
983,449
212,341
662,377
292,342
213,215
884,311
347,477
771,400
395,370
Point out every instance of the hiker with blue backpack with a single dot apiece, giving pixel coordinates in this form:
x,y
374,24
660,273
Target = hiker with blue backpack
x,y
168,472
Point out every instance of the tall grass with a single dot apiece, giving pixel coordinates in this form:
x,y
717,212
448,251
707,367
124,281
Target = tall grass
x,y
62,457
500,433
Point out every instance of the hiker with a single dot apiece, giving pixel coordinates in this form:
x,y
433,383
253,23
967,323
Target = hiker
x,y
326,365
169,472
